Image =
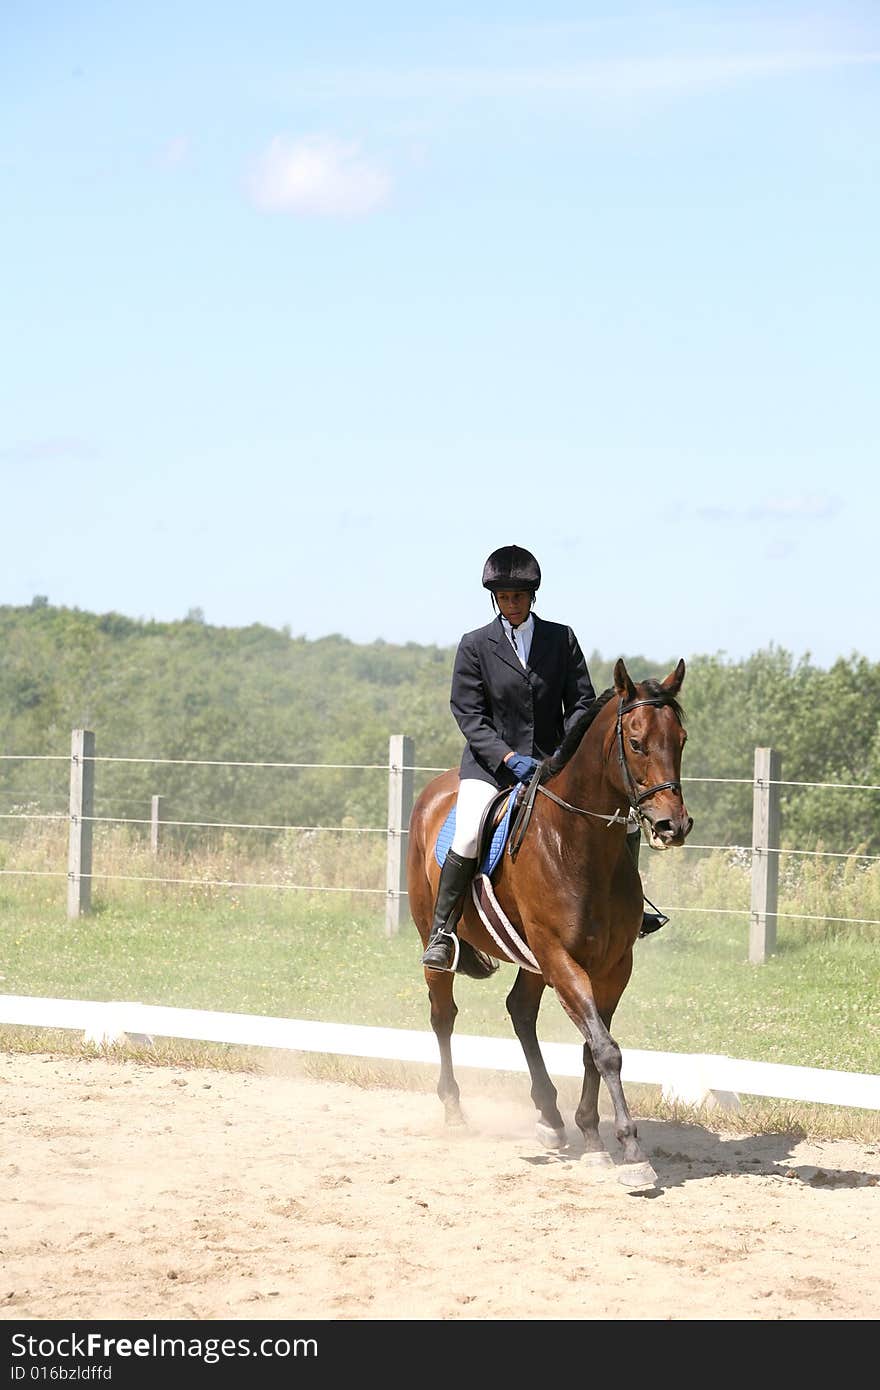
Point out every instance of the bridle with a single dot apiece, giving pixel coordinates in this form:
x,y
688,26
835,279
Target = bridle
x,y
634,795
636,798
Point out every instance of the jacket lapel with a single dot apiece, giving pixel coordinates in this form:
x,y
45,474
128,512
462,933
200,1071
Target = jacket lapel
x,y
539,644
503,649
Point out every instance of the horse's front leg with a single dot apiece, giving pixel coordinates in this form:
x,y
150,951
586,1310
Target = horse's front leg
x,y
443,1014
523,1003
587,1114
601,1060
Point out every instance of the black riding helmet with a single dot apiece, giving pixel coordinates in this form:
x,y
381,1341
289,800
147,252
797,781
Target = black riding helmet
x,y
511,567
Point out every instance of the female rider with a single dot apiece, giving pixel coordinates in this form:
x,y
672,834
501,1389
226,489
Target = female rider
x,y
517,686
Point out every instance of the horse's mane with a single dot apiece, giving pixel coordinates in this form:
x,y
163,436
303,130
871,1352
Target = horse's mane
x,y
573,738
650,688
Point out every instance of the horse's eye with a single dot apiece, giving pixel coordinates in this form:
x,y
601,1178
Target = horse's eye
x,y
636,746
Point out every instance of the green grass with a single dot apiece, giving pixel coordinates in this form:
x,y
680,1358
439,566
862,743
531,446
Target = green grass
x,y
812,1004
326,956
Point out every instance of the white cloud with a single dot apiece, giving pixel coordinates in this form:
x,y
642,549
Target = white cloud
x,y
798,507
603,78
175,151
48,450
808,507
318,176
676,74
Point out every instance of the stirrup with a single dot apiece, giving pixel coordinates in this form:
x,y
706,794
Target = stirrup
x,y
433,942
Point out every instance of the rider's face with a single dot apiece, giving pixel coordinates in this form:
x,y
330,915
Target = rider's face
x,y
514,604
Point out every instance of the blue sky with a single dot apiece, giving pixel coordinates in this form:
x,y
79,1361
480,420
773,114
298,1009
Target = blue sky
x,y
308,308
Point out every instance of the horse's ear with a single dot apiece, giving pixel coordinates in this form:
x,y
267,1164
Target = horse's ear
x,y
673,681
622,683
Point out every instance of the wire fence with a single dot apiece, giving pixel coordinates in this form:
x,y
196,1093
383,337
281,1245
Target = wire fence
x,y
383,767
382,830
85,873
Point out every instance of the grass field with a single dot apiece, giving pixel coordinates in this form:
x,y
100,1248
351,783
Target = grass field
x,y
326,956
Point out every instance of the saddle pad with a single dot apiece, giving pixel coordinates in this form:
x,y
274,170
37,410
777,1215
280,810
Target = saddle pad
x,y
499,838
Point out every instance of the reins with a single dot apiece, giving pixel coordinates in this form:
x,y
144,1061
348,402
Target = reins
x,y
616,819
636,798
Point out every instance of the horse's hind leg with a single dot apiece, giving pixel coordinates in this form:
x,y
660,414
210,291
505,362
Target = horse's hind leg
x,y
523,1003
443,1014
587,1114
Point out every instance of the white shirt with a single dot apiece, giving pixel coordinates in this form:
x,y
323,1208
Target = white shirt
x,y
523,644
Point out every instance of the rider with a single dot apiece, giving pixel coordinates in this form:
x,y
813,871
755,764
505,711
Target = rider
x,y
517,686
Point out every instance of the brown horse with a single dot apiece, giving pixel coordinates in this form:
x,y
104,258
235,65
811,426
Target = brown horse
x,y
574,894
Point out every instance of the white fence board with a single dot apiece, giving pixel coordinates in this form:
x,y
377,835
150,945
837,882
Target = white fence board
x,y
693,1078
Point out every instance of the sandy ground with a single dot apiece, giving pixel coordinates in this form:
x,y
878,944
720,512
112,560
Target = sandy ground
x,y
156,1193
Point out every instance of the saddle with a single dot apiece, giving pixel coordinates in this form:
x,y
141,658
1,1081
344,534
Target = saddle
x,y
505,819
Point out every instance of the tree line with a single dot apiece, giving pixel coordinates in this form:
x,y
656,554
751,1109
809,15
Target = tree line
x,y
190,691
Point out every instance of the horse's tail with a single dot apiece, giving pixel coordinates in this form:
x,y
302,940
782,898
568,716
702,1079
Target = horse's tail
x,y
421,897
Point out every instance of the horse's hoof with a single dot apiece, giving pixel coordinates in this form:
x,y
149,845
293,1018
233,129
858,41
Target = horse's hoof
x,y
454,1117
599,1158
637,1177
551,1138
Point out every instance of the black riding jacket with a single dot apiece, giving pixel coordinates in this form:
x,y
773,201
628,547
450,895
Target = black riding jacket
x,y
502,707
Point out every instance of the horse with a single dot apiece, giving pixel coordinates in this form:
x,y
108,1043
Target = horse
x,y
574,894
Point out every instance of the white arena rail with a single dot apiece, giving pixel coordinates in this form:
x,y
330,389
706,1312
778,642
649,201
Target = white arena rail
x,y
690,1078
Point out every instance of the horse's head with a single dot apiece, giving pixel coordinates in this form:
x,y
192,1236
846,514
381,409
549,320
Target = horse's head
x,y
646,758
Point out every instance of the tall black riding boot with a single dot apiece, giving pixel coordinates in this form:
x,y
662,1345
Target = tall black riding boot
x,y
651,921
441,952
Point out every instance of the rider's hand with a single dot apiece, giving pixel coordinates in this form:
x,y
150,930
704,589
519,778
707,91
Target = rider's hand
x,y
521,766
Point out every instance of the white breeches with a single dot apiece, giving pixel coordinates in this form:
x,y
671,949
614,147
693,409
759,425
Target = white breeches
x,y
473,798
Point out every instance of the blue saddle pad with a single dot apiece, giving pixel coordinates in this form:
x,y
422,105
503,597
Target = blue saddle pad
x,y
499,839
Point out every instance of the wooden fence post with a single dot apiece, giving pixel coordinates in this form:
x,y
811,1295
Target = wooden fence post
x,y
401,757
154,824
765,855
82,808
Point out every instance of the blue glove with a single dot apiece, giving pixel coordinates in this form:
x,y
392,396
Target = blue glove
x,y
521,766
